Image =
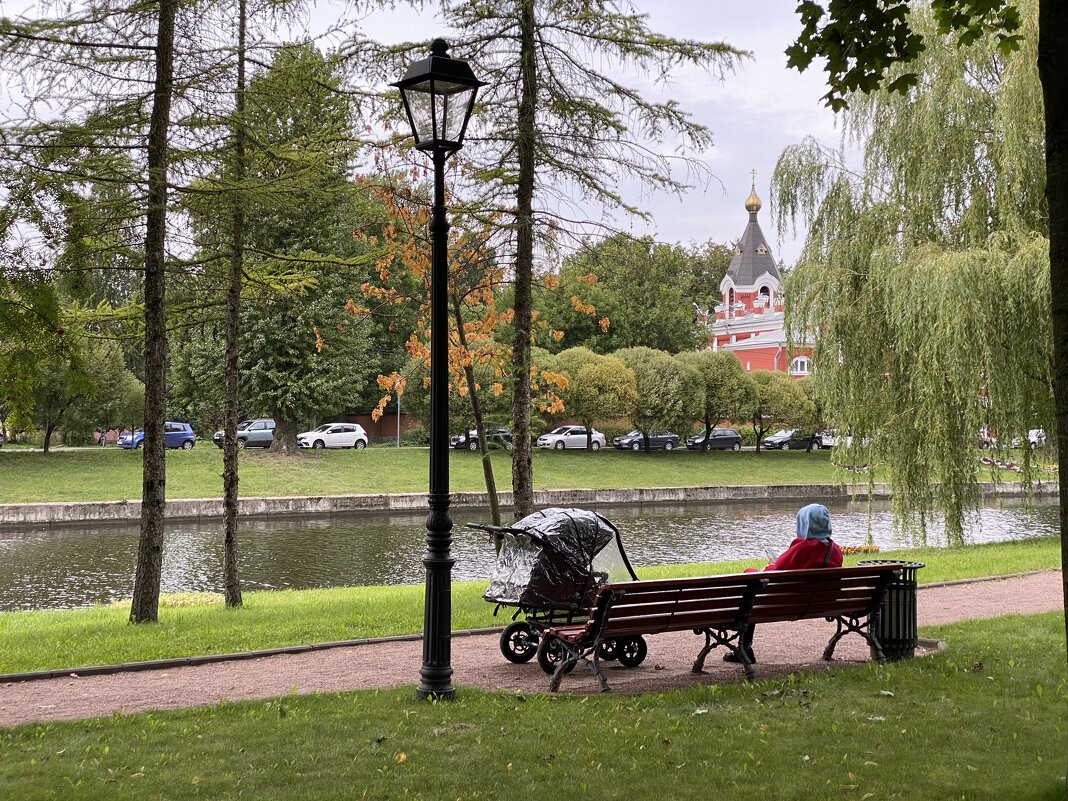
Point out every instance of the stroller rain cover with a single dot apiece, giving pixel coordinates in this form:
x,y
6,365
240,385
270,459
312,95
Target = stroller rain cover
x,y
546,560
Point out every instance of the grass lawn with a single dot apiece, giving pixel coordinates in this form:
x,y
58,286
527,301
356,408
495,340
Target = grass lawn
x,y
983,720
114,474
48,640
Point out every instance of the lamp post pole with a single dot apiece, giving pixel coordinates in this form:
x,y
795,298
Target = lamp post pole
x,y
439,95
436,672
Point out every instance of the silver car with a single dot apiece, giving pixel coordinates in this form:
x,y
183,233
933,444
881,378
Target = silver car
x,y
570,437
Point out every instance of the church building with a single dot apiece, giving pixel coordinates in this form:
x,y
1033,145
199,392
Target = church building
x,y
748,320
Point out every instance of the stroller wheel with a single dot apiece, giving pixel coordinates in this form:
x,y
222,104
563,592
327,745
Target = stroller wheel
x,y
519,642
608,650
631,651
550,653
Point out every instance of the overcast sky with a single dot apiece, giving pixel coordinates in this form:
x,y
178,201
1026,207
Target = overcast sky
x,y
753,114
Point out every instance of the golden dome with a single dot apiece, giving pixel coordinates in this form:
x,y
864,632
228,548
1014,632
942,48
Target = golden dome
x,y
752,203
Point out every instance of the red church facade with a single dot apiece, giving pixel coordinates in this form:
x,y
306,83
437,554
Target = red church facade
x,y
748,321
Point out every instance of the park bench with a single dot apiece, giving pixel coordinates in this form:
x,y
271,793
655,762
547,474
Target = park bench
x,y
720,608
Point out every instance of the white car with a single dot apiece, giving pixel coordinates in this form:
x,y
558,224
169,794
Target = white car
x,y
570,437
334,435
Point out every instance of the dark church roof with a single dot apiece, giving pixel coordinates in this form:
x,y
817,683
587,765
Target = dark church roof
x,y
752,256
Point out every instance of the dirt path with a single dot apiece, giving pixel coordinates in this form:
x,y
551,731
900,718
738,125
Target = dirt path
x,y
477,662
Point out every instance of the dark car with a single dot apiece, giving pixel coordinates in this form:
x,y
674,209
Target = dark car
x,y
634,441
257,433
175,435
495,435
792,439
721,439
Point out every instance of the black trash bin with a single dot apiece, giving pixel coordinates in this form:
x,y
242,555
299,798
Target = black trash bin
x,y
896,631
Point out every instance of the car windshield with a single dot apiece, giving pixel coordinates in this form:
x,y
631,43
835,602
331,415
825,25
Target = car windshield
x,y
244,425
560,430
321,428
634,434
783,432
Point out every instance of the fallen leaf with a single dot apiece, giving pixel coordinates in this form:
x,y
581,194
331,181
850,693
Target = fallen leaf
x,y
701,711
872,764
196,780
400,757
659,667
665,742
439,731
137,775
887,693
866,796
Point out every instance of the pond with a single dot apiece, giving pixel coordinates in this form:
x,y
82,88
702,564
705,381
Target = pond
x,y
64,568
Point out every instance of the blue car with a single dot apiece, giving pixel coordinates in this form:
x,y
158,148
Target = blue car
x,y
175,435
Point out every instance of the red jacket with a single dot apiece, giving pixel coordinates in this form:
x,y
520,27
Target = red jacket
x,y
807,553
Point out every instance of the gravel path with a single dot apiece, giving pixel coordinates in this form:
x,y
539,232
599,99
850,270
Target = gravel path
x,y
477,662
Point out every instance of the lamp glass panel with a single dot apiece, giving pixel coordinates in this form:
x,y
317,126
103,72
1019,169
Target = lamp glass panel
x,y
454,101
420,102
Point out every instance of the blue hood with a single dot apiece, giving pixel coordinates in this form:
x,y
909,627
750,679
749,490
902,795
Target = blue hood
x,y
814,522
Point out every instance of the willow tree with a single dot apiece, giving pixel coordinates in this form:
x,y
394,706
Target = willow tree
x,y
598,388
557,125
726,392
925,276
666,388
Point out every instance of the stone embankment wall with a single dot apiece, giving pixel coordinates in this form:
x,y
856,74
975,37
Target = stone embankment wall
x,y
64,514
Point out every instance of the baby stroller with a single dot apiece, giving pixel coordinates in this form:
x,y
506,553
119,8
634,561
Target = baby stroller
x,y
549,566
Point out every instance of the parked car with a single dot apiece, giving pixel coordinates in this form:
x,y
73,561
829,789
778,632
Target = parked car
x,y
256,433
830,437
495,435
570,437
334,435
634,441
721,439
1036,438
792,439
175,435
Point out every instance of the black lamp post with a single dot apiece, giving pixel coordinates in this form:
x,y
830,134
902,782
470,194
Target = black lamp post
x,y
439,94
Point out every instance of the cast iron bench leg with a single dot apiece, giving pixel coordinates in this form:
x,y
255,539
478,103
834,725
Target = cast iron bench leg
x,y
864,629
568,661
716,637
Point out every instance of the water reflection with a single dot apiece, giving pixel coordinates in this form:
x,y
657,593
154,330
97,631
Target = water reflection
x,y
62,568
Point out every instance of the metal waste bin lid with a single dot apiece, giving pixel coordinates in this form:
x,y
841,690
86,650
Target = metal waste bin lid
x,y
908,572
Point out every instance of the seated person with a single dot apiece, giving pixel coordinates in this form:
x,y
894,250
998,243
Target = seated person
x,y
812,547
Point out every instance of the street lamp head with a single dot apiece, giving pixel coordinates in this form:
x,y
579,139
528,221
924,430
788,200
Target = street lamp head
x,y
439,95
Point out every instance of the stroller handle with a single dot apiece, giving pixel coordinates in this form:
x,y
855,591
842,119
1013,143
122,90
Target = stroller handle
x,y
499,531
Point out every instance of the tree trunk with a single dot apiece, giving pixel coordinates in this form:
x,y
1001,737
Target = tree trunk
x,y
145,605
50,429
708,435
1052,67
285,436
231,579
522,464
480,425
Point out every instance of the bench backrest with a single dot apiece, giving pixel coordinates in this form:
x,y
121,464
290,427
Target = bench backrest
x,y
727,601
651,607
821,592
